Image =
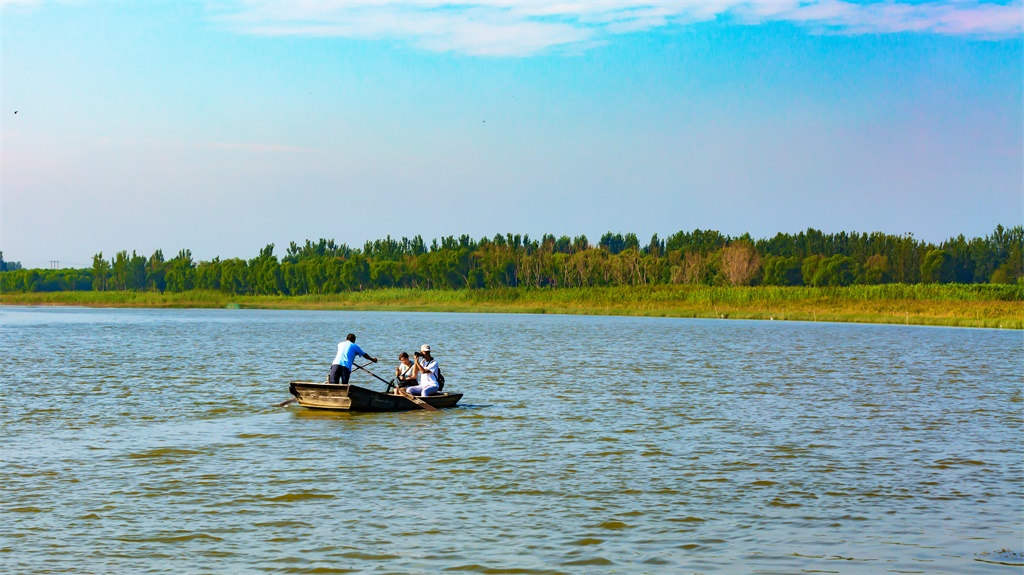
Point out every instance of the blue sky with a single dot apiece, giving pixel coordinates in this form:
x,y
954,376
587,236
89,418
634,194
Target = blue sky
x,y
222,126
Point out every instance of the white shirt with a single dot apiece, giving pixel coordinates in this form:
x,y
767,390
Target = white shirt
x,y
429,377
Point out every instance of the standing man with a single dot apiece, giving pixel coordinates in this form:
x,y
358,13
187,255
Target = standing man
x,y
341,369
426,367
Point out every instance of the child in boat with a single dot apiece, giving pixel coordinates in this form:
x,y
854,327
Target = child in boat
x,y
404,372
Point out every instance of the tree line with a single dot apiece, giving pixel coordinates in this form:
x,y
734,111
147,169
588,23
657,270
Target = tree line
x,y
700,257
8,266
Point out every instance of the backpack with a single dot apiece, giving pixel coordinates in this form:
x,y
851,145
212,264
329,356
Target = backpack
x,y
440,380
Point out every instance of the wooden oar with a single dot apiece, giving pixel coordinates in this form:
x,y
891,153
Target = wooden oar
x,y
402,392
371,373
424,405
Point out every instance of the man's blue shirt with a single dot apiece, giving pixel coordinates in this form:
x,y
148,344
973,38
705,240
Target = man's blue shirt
x,y
347,352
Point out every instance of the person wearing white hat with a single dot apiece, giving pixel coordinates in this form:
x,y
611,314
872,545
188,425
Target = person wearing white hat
x,y
427,369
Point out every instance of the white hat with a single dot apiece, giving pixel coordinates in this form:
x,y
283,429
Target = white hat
x,y
425,348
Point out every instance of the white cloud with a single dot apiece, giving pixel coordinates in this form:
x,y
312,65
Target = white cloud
x,y
20,3
507,28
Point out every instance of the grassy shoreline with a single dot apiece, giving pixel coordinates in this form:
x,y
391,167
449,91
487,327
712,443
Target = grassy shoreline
x,y
944,305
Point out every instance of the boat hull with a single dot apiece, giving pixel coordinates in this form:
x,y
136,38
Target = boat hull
x,y
336,397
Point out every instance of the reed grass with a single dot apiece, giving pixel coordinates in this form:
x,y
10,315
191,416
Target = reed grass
x,y
997,306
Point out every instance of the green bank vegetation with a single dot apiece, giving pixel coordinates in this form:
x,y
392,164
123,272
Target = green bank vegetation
x,y
997,306
697,258
808,276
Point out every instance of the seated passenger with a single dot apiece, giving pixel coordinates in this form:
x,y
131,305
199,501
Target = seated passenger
x,y
426,368
404,372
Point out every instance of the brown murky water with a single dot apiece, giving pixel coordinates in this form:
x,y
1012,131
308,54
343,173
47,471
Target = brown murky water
x,y
140,441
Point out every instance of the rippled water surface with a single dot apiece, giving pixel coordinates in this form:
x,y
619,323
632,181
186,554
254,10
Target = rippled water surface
x,y
146,441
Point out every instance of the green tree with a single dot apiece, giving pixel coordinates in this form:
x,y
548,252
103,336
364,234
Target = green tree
x,y
355,273
155,271
837,270
208,275
265,273
119,271
936,267
1012,269
234,276
614,243
983,259
700,241
292,276
382,274
30,281
809,268
876,270
71,277
782,271
8,266
180,274
136,272
906,259
100,272
319,278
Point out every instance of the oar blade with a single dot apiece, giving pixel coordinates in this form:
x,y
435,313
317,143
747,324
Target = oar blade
x,y
417,401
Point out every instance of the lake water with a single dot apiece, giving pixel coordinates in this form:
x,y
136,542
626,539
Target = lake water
x,y
138,441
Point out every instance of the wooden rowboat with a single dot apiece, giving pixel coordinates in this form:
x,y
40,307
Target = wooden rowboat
x,y
339,397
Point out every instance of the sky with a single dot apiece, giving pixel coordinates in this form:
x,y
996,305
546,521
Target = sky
x,y
221,127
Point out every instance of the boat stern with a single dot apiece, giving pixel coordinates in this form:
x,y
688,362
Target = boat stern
x,y
321,395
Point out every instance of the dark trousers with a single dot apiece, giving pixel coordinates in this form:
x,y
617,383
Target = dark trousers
x,y
339,372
